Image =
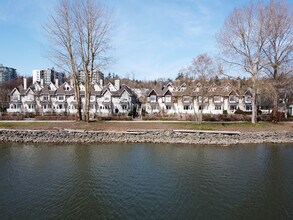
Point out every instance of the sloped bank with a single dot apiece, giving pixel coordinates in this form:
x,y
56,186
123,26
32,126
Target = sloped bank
x,y
186,137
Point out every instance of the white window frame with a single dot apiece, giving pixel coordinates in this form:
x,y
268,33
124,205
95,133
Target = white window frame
x,y
232,98
168,98
153,98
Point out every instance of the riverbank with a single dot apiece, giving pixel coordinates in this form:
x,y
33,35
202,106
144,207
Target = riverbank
x,y
144,136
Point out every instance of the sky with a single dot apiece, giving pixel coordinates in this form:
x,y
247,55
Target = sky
x,y
151,38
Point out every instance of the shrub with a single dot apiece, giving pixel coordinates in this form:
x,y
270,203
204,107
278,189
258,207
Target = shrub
x,y
11,117
114,118
56,117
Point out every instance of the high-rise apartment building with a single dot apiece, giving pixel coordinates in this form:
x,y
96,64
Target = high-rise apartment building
x,y
97,76
48,76
7,73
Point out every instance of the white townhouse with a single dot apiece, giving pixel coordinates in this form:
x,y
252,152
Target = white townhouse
x,y
187,100
116,99
112,99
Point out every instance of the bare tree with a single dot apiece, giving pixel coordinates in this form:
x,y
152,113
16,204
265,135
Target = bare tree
x,y
279,46
93,25
79,33
241,41
61,33
202,69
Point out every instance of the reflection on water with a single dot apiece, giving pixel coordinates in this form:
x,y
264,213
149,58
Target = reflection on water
x,y
144,181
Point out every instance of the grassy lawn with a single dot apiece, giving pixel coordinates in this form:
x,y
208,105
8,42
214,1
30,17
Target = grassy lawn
x,y
28,125
124,126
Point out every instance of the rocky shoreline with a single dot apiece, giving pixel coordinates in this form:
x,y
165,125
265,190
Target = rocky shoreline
x,y
154,136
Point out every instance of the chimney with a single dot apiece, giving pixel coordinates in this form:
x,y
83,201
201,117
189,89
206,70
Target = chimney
x,y
239,84
56,83
101,83
24,83
42,82
117,84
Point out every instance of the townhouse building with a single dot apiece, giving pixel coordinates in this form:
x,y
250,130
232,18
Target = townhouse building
x,y
111,99
116,99
191,100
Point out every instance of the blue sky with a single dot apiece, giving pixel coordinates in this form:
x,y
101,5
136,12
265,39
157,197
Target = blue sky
x,y
151,38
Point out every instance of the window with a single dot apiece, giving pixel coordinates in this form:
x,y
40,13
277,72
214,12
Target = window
x,y
232,98
248,107
45,98
60,106
45,107
124,99
107,99
247,99
218,107
60,98
233,107
124,107
186,107
153,98
168,107
101,107
30,97
92,106
168,98
217,98
15,97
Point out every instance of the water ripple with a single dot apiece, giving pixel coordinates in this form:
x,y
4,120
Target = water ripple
x,y
143,181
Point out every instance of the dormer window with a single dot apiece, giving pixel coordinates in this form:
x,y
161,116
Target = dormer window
x,y
153,98
15,98
247,99
30,97
232,98
168,98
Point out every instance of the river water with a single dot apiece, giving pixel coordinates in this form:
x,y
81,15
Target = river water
x,y
145,181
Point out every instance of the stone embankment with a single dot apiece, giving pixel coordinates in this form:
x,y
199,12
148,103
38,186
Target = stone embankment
x,y
155,136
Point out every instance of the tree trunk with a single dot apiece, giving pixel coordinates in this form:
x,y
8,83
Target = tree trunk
x,y
254,104
87,108
276,104
78,100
